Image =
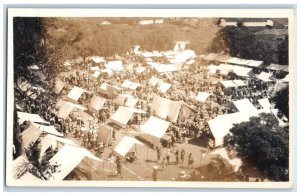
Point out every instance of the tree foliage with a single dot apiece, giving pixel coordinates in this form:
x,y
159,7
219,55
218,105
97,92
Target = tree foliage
x,y
282,101
264,144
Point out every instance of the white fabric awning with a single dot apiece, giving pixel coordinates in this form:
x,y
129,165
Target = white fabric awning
x,y
126,143
67,107
59,85
96,103
228,83
23,116
123,115
129,84
265,103
67,158
239,82
126,100
164,87
95,68
155,127
49,129
96,74
166,108
153,81
75,94
114,65
244,105
264,76
30,135
202,96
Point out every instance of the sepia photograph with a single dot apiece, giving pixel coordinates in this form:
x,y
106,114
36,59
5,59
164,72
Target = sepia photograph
x,y
150,98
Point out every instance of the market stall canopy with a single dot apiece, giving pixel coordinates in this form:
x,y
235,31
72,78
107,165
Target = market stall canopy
x,y
244,105
153,81
96,103
164,87
126,100
165,67
67,158
95,68
242,71
130,85
164,108
49,129
75,94
247,62
96,59
126,143
140,69
114,65
239,82
276,67
228,84
96,74
264,76
235,163
221,125
265,103
59,85
212,69
67,107
123,115
286,78
202,96
30,135
155,127
23,116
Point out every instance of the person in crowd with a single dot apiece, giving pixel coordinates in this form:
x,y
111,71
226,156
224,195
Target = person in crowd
x,y
190,161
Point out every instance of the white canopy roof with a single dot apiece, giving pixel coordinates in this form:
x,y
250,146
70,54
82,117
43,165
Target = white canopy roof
x,y
155,126
124,146
244,105
164,87
123,115
264,76
265,103
236,163
30,135
286,78
23,116
67,107
129,84
202,96
228,83
48,129
239,82
114,65
96,59
165,67
96,103
165,107
95,68
242,71
67,158
96,74
59,85
153,81
75,93
126,100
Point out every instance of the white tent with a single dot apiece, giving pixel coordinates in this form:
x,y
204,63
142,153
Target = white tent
x,y
264,76
95,68
239,82
164,108
124,146
155,127
67,107
235,163
126,100
242,71
228,83
96,104
67,158
75,94
123,115
202,96
265,103
30,135
253,63
59,85
96,59
164,87
212,69
165,67
221,125
244,105
114,65
96,74
140,69
129,84
286,78
23,116
49,129
153,81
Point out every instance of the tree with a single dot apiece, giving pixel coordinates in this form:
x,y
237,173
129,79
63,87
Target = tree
x,y
282,101
262,143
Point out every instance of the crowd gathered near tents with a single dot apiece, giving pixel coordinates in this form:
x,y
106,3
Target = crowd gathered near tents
x,y
106,109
